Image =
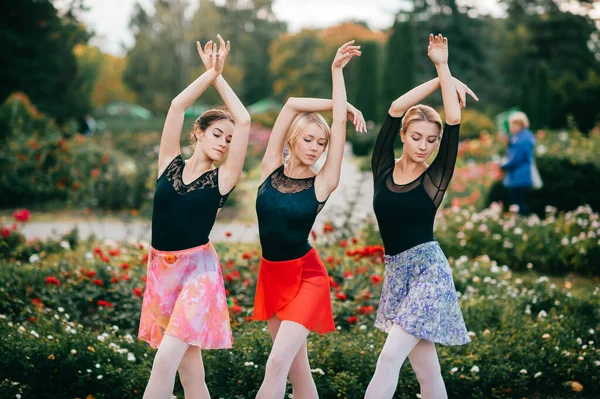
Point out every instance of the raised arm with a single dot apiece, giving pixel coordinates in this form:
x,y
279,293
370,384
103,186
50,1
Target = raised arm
x,y
169,142
231,169
413,97
438,53
440,171
329,175
294,105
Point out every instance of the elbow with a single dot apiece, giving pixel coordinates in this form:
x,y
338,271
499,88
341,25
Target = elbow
x,y
177,105
291,103
396,109
243,120
453,120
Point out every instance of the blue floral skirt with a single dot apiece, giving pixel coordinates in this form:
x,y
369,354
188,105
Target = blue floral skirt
x,y
419,295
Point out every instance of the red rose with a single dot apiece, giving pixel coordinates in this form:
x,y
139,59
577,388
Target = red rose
x,y
114,280
228,234
343,243
5,232
235,309
21,215
354,240
95,173
106,304
90,273
376,279
348,274
352,319
52,280
137,292
98,282
246,256
125,266
328,228
367,309
125,277
115,252
38,303
332,282
341,296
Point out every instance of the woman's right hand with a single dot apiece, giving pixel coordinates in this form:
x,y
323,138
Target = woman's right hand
x,y
344,54
438,49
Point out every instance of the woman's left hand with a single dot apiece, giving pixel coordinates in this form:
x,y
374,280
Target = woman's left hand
x,y
461,91
357,119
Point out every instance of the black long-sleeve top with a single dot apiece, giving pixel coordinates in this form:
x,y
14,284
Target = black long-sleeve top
x,y
406,212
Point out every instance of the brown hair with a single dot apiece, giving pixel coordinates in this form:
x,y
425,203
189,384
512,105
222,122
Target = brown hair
x,y
419,113
301,121
206,119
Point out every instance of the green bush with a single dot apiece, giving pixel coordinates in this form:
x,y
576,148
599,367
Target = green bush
x,y
473,122
558,244
530,337
44,163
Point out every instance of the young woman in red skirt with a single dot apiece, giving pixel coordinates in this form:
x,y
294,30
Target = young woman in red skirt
x,y
292,292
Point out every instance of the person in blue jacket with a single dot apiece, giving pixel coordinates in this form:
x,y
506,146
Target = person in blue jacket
x,y
517,168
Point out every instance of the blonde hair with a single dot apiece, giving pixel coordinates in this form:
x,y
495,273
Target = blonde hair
x,y
521,118
422,113
299,125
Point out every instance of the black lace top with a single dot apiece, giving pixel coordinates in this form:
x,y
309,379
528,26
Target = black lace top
x,y
286,209
183,214
405,212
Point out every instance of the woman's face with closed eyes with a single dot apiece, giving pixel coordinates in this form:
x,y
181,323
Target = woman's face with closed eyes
x,y
420,140
214,142
310,144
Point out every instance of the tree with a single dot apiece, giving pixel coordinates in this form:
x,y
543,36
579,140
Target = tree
x,y
470,44
400,61
366,95
37,56
299,67
158,64
536,97
109,84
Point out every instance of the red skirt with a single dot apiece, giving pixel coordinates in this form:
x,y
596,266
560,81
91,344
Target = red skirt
x,y
295,290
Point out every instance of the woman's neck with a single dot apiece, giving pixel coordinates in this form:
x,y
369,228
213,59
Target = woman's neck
x,y
407,167
199,162
297,170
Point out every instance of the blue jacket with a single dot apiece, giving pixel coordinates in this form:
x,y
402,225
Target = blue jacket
x,y
519,159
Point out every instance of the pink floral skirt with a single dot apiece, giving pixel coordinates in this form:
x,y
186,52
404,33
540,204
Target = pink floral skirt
x,y
185,298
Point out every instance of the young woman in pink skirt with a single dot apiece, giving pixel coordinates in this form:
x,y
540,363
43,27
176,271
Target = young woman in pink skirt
x,y
184,308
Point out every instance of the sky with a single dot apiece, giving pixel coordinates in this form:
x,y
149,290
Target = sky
x,y
109,19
